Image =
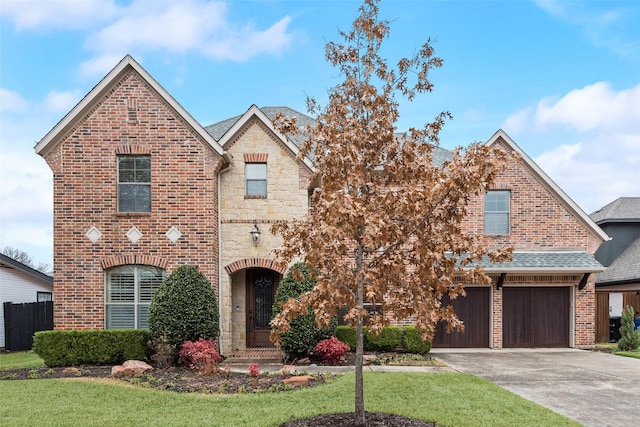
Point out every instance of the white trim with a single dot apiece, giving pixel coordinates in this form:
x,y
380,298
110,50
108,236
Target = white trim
x,y
69,120
568,202
257,112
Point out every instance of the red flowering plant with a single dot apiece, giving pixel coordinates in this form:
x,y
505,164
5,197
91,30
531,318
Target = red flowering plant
x,y
254,371
200,355
331,350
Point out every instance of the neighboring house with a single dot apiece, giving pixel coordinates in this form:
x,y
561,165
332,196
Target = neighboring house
x,y
140,188
618,286
20,283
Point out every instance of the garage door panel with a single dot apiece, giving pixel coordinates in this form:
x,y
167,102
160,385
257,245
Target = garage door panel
x,y
536,317
473,310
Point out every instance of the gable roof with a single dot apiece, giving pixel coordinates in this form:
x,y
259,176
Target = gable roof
x,y
623,209
567,262
12,263
624,268
225,130
501,136
125,65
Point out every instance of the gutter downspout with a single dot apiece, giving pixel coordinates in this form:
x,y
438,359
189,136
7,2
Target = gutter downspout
x,y
228,159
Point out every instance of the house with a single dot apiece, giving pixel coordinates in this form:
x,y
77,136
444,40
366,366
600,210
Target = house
x,y
618,286
20,283
140,188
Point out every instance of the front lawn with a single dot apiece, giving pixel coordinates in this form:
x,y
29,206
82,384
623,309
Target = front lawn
x,y
449,399
20,359
613,349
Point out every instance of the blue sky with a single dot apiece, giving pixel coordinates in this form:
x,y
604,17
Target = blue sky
x,y
562,78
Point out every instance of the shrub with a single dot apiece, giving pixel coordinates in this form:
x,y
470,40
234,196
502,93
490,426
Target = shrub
x,y
347,335
184,308
331,350
630,339
200,355
389,339
70,348
412,341
303,333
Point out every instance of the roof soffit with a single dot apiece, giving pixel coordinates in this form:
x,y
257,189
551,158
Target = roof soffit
x,y
501,136
101,89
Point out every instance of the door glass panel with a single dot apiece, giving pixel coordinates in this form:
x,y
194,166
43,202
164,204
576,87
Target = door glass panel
x,y
264,301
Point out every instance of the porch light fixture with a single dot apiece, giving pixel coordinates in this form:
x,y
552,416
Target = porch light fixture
x,y
255,233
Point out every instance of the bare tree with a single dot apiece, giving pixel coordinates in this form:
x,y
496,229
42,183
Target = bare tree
x,y
387,222
24,258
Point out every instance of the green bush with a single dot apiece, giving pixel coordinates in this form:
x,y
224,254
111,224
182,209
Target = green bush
x,y
70,348
303,334
630,339
413,343
184,308
389,339
347,335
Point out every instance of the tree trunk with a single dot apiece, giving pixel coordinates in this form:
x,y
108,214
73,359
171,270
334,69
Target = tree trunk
x,y
360,416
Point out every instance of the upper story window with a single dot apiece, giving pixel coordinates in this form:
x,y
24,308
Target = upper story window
x,y
128,294
134,183
256,174
496,212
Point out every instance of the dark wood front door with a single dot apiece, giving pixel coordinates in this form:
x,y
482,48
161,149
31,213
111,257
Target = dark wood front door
x,y
261,290
473,310
535,317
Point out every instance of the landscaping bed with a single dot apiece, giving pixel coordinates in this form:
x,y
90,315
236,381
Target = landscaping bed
x,y
178,379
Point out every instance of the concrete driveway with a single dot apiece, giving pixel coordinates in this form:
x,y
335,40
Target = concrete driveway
x,y
595,389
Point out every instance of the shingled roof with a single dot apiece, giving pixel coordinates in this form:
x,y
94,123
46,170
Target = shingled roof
x,y
623,209
569,262
624,268
217,130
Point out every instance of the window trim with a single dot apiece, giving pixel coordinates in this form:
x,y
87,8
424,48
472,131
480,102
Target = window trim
x,y
147,184
135,303
487,212
249,195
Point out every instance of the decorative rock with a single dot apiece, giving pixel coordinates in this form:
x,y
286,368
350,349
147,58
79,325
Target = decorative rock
x,y
304,361
368,359
297,381
130,367
288,369
70,370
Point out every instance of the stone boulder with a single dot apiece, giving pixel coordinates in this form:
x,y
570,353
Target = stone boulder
x,y
300,380
130,367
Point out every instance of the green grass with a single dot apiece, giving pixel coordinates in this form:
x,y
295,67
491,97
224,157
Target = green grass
x,y
634,354
450,399
613,349
20,359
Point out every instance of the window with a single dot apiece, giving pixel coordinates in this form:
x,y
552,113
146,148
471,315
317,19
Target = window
x,y
134,183
128,294
256,179
496,212
44,296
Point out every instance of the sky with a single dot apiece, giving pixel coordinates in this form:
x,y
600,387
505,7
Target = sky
x,y
561,77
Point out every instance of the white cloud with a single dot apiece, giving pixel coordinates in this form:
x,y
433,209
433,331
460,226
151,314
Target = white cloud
x,y
197,26
612,25
587,140
57,14
61,102
596,107
12,101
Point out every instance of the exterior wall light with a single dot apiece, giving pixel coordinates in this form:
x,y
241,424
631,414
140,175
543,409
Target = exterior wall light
x,y
255,234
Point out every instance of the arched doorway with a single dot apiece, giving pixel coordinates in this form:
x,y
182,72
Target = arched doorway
x,y
261,285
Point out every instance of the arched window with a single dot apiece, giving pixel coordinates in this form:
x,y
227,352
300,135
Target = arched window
x,y
128,292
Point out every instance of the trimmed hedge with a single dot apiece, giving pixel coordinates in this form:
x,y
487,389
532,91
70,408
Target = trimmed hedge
x,y
412,341
406,338
70,348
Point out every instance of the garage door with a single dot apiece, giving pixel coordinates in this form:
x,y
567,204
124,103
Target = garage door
x,y
535,317
473,310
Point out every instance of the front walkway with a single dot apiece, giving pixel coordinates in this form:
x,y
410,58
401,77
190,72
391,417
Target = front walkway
x,y
595,389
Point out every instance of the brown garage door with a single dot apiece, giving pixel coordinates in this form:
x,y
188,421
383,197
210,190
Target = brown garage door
x,y
473,310
535,317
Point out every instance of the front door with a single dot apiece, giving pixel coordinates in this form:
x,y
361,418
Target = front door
x,y
261,290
